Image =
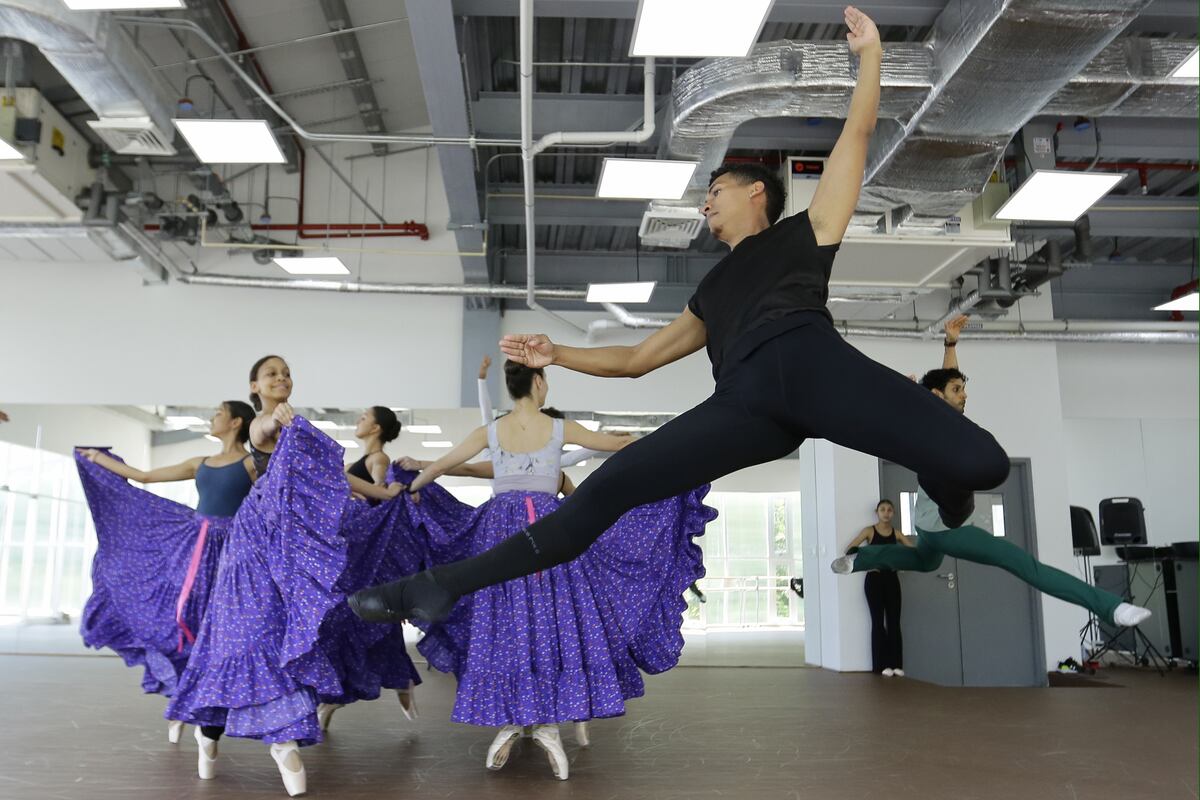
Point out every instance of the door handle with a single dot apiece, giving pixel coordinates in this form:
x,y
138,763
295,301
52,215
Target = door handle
x,y
949,576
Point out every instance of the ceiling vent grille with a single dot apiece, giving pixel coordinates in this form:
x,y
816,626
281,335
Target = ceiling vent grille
x,y
133,136
669,226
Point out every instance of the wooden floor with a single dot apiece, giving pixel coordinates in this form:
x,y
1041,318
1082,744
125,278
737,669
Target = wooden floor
x,y
77,727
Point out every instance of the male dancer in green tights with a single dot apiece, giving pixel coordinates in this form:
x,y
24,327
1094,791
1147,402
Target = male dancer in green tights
x,y
935,540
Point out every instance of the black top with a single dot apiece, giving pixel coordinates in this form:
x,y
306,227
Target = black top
x,y
359,469
879,538
261,459
753,293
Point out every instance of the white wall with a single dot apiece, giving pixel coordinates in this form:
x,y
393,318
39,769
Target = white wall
x,y
62,427
1130,415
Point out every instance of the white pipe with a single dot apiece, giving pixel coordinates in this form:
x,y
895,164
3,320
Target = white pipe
x,y
529,149
632,321
961,307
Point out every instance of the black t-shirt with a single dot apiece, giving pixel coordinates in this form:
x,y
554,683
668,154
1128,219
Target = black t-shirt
x,y
748,297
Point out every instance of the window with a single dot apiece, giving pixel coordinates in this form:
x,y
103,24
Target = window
x,y
751,553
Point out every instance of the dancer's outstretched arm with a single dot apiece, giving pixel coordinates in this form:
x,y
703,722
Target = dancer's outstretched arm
x,y
574,433
475,469
468,449
184,471
485,397
837,194
684,336
953,328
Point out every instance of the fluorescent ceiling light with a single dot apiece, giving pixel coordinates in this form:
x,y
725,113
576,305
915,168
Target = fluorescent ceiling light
x,y
183,421
9,153
424,429
590,424
1189,302
231,141
120,5
1058,195
212,438
321,265
697,28
572,447
349,444
324,424
620,292
1189,68
437,444
644,178
581,464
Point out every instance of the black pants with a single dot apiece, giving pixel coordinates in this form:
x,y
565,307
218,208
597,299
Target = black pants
x,y
212,731
805,383
883,598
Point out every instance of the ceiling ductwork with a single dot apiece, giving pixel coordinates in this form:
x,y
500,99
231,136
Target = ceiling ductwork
x,y
948,107
104,66
998,64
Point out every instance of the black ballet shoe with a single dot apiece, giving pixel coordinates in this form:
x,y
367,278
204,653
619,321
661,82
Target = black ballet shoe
x,y
415,597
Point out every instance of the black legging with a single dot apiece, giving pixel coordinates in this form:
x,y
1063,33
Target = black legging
x,y
883,598
805,383
212,731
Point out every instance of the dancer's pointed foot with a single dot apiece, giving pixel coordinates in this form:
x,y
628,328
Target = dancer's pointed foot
x,y
291,768
502,745
581,734
843,565
1129,615
325,713
408,701
174,730
548,738
206,765
415,597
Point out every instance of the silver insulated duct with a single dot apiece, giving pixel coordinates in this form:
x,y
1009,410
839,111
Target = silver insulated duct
x,y
948,107
779,79
102,64
998,63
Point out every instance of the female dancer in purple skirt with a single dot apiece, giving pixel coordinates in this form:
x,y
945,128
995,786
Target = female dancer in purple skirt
x,y
261,661
563,645
155,559
385,532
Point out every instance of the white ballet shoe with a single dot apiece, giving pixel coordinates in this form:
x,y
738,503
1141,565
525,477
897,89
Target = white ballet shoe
x,y
291,768
581,734
889,672
175,731
408,702
325,713
844,565
897,672
206,762
1128,615
502,745
548,738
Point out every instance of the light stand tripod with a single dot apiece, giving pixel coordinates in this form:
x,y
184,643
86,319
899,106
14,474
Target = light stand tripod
x,y
1149,653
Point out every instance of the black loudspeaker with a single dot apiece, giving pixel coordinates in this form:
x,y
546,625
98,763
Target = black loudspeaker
x,y
1122,521
1083,532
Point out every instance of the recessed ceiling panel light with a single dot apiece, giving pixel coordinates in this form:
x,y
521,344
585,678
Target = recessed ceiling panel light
x,y
425,429
1189,67
1189,302
121,5
9,153
644,178
323,265
231,141
1058,195
697,28
437,444
620,292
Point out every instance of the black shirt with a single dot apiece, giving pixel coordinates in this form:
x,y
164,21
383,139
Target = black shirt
x,y
753,293
359,469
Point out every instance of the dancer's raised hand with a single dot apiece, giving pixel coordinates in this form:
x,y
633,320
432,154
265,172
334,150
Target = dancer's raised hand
x,y
531,349
283,414
410,464
863,35
955,327
484,365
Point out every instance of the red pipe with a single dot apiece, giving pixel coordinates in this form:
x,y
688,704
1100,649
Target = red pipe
x,y
360,231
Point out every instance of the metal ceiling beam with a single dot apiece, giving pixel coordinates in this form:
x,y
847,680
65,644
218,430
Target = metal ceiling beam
x,y
1162,16
561,205
350,54
1150,217
436,45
